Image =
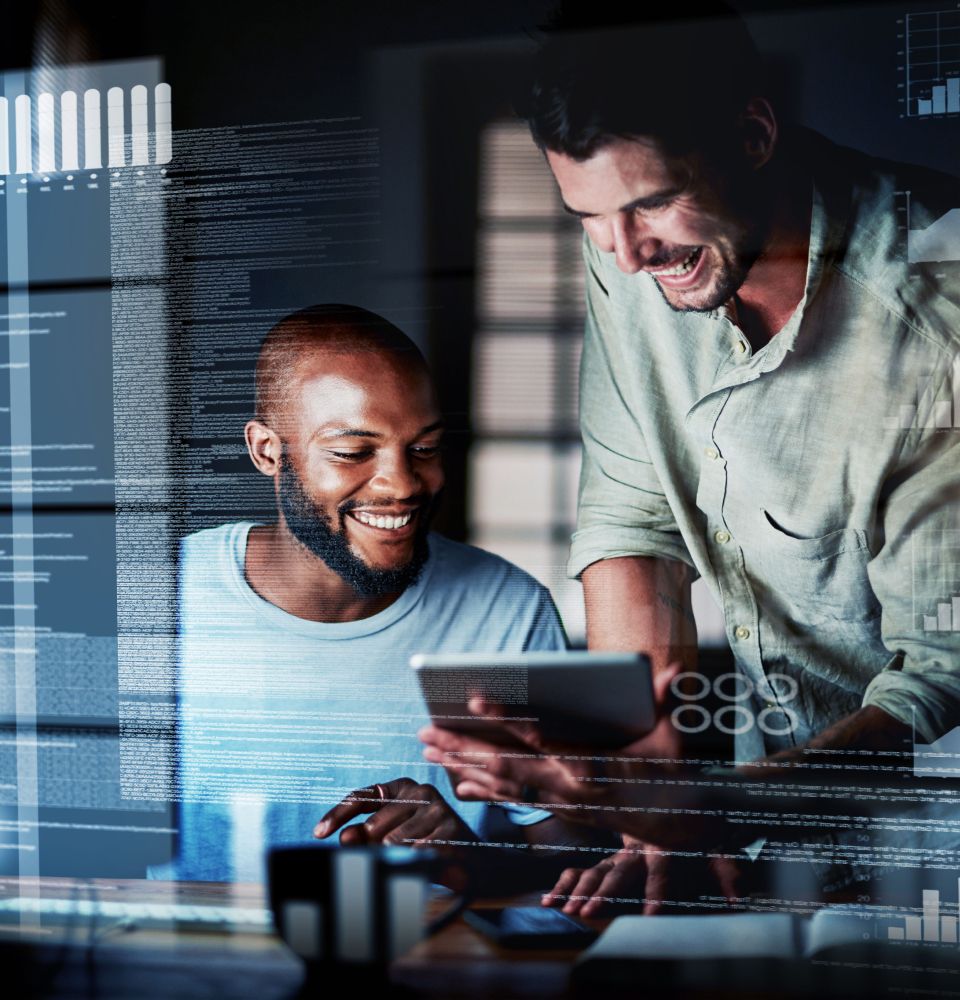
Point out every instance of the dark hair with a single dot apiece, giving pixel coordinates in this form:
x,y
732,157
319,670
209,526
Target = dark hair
x,y
682,83
333,327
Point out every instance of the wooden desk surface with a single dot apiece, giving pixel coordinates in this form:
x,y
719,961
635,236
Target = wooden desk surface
x,y
146,963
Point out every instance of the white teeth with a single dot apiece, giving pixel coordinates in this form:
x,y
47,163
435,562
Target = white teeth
x,y
381,521
682,268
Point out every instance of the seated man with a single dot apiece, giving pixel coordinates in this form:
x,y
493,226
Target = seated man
x,y
295,637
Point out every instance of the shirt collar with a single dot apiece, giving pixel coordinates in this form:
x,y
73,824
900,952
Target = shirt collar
x,y
827,226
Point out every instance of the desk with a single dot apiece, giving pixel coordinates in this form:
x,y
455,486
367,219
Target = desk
x,y
143,964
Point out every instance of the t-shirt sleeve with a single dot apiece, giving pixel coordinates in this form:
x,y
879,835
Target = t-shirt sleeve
x,y
546,631
622,509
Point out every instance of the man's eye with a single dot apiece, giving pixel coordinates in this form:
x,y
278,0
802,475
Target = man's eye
x,y
352,455
656,206
426,450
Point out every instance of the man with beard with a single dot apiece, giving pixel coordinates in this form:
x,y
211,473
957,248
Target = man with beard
x,y
298,710
766,392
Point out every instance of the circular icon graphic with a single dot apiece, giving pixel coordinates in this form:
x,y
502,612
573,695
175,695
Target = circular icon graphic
x,y
733,687
685,727
676,686
784,686
789,716
733,730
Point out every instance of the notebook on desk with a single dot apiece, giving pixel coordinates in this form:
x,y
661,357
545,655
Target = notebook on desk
x,y
748,948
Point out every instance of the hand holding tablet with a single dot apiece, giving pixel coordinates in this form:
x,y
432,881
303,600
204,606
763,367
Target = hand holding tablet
x,y
602,700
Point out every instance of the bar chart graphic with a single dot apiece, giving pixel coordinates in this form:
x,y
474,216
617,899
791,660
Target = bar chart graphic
x,y
937,406
931,926
63,132
934,610
947,618
931,63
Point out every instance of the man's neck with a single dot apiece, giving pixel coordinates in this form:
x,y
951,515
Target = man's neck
x,y
775,283
284,573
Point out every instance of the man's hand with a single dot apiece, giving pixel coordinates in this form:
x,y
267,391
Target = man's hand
x,y
401,812
591,891
625,791
641,871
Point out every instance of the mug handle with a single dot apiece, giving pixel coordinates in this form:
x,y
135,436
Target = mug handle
x,y
436,868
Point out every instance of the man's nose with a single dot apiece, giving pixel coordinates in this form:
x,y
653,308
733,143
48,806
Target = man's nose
x,y
633,244
396,476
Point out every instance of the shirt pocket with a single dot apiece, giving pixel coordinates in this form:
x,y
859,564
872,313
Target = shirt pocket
x,y
818,579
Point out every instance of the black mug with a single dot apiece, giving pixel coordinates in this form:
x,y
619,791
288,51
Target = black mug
x,y
356,907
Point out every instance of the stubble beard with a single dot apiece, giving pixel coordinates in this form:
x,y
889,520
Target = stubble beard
x,y
748,230
727,280
314,530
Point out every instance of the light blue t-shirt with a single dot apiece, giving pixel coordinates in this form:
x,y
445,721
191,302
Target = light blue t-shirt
x,y
280,717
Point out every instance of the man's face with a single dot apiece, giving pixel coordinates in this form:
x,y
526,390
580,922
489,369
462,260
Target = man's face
x,y
360,470
652,213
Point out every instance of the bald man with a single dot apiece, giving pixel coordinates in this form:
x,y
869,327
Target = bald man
x,y
298,711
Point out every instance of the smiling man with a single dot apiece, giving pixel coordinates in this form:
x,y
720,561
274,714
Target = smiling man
x,y
765,389
298,711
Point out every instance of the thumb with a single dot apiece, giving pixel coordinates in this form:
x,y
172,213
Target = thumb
x,y
663,679
525,733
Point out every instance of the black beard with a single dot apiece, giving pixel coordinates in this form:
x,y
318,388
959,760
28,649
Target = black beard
x,y
313,529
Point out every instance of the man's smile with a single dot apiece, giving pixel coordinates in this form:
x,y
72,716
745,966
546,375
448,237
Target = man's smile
x,y
398,522
682,272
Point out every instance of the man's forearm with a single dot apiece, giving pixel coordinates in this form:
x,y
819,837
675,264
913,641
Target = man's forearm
x,y
638,603
867,740
727,809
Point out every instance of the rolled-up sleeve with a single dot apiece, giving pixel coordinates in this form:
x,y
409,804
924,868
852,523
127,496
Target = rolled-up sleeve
x,y
622,509
915,575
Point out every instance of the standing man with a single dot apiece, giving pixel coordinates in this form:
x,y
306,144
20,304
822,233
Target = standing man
x,y
763,386
298,710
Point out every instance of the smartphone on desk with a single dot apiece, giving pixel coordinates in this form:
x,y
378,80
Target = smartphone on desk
x,y
530,927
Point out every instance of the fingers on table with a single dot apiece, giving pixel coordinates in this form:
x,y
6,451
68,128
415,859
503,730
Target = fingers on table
x,y
379,825
412,814
585,890
357,803
658,886
590,891
360,802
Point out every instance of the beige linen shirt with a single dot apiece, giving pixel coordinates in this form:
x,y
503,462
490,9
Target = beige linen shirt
x,y
813,483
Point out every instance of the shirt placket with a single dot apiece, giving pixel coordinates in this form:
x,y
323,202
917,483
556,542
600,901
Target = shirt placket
x,y
737,599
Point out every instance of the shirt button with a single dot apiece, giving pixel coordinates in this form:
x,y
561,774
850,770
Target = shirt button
x,y
770,704
741,347
711,453
722,537
741,632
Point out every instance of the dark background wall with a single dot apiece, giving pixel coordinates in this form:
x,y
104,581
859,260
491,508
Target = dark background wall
x,y
430,75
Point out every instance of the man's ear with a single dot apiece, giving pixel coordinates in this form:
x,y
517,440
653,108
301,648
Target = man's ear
x,y
264,447
759,126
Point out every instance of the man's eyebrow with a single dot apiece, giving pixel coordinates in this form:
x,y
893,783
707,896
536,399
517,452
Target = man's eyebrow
x,y
647,201
343,432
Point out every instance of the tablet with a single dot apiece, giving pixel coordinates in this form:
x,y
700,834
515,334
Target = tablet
x,y
588,699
